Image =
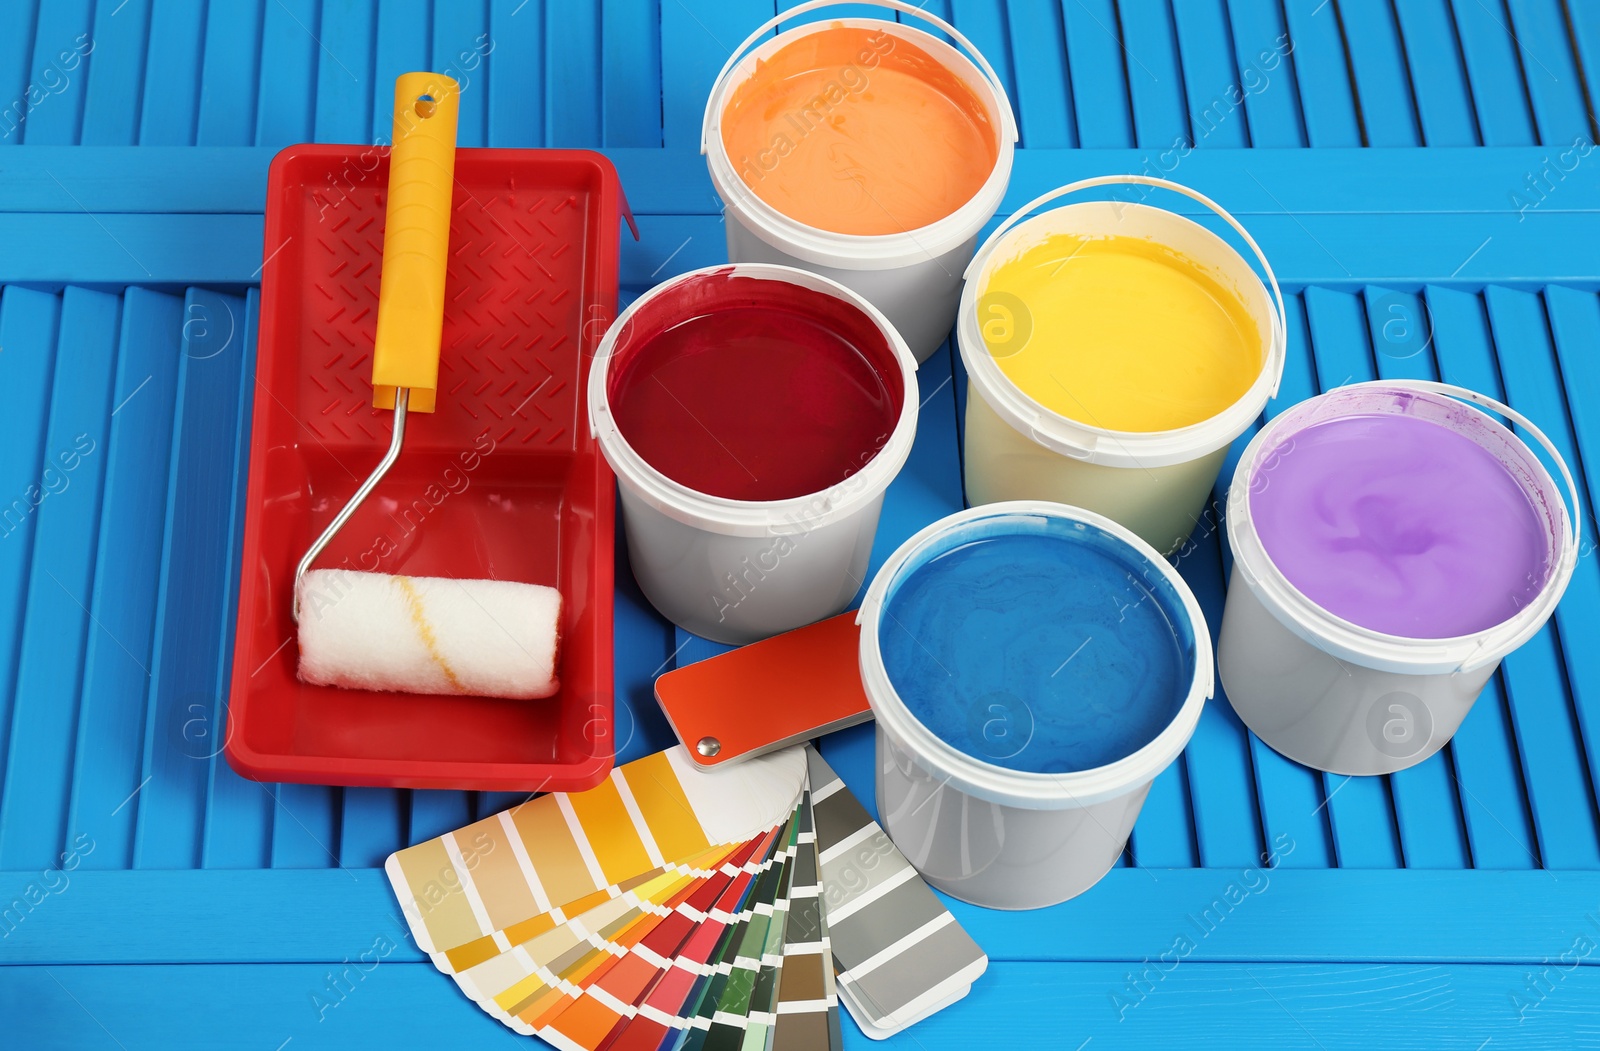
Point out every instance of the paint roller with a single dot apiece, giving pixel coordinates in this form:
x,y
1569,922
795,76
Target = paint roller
x,y
377,631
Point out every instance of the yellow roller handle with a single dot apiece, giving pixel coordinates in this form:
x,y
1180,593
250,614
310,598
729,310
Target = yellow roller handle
x,y
416,240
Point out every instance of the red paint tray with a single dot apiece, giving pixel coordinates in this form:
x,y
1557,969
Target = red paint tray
x,y
502,482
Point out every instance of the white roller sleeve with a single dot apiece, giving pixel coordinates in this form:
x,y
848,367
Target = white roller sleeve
x,y
372,631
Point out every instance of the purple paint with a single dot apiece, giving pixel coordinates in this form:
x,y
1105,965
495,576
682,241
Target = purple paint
x,y
1401,525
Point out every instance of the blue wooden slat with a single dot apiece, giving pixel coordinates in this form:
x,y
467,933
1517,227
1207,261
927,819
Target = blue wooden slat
x,y
1489,776
1584,21
228,94
1438,74
333,1006
402,46
1326,97
119,250
1155,74
1230,808
181,725
1227,821
16,54
1429,812
460,40
1575,324
433,813
344,89
1559,789
305,826
1495,70
291,63
631,76
1533,384
1378,64
170,107
1292,797
937,8
1268,188
514,72
696,37
1488,766
372,822
1211,74
1499,827
1560,111
1360,809
117,660
28,323
984,24
1266,72
689,648
928,487
1044,97
672,244
1552,772
61,40
239,822
572,75
828,14
1303,915
1163,837
34,800
116,76
491,803
643,646
1418,192
1100,69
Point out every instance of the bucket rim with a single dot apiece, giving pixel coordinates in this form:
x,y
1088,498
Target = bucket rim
x,y
842,251
1023,789
1102,445
1367,647
727,516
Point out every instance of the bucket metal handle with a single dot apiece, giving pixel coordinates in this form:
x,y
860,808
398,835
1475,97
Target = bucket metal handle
x,y
1008,121
1280,327
1492,645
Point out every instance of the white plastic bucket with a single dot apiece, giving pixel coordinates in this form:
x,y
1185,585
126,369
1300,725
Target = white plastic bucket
x,y
914,277
736,571
1343,698
1154,482
994,835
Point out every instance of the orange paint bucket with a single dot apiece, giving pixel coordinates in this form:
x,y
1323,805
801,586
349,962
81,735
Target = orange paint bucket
x,y
864,150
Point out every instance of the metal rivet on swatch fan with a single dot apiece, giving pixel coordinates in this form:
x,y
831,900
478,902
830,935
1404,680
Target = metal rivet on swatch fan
x,y
708,746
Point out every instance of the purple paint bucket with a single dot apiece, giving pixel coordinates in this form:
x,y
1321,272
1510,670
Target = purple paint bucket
x,y
1391,545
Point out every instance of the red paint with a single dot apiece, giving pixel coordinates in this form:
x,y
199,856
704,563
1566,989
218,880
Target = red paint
x,y
754,389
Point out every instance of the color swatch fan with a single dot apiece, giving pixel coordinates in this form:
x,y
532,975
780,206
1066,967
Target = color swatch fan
x,y
673,907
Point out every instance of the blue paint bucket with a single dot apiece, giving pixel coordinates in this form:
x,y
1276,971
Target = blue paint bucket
x,y
1032,667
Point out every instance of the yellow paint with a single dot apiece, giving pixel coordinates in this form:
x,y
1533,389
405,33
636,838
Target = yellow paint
x,y
425,630
1119,332
859,131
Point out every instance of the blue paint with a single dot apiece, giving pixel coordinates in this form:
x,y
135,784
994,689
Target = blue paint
x,y
1037,643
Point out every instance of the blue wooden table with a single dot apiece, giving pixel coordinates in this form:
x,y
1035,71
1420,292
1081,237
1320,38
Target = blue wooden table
x,y
1421,173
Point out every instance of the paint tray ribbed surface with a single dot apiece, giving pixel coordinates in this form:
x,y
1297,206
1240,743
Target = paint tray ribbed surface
x,y
501,482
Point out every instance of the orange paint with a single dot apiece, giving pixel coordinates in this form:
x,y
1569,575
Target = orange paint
x,y
858,131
